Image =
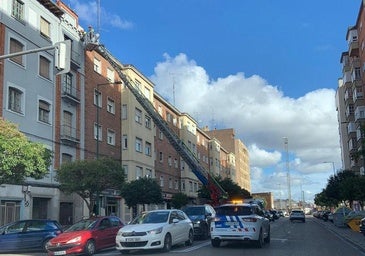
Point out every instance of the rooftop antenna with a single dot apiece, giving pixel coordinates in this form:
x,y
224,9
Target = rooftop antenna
x,y
173,88
98,14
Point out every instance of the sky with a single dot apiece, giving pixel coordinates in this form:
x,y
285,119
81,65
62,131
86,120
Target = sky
x,y
268,69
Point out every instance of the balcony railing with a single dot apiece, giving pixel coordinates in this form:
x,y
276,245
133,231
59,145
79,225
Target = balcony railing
x,y
69,135
70,93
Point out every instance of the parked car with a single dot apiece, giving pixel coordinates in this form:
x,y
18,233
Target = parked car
x,y
86,236
158,229
325,215
269,215
27,235
240,222
297,215
201,216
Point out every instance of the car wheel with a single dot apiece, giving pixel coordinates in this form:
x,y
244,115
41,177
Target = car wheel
x,y
267,239
260,242
191,238
215,242
167,243
124,251
90,248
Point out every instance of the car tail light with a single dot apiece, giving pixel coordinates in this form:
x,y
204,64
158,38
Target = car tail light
x,y
249,219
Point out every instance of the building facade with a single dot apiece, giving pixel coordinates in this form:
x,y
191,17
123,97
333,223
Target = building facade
x,y
87,112
350,98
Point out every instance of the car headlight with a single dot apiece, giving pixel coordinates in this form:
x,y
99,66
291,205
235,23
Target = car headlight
x,y
155,231
197,222
74,240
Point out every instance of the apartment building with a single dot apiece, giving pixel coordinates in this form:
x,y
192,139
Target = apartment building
x,y
167,160
38,100
240,169
350,97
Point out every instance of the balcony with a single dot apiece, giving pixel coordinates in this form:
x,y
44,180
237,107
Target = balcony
x,y
351,127
359,113
354,48
70,94
69,135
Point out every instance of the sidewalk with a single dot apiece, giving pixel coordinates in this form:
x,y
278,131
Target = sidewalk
x,y
357,239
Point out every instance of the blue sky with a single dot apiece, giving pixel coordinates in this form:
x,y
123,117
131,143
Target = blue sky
x,y
268,69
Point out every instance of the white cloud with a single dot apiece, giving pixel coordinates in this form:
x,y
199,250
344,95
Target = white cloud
x,y
260,114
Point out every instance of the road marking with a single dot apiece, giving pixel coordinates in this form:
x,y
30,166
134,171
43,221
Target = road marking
x,y
192,248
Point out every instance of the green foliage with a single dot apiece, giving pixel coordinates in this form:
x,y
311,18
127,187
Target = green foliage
x,y
233,190
19,157
88,178
342,187
142,191
179,200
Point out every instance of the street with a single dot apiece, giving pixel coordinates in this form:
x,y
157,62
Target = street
x,y
287,238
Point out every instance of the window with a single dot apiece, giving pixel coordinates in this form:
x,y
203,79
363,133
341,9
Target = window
x,y
67,124
148,122
18,10
160,135
183,185
110,75
15,100
124,111
98,132
125,141
45,28
176,185
148,173
110,106
160,157
139,172
97,65
138,145
147,149
111,137
169,161
66,158
44,109
67,84
170,183
16,46
175,163
44,67
125,168
161,181
147,92
97,98
168,117
138,116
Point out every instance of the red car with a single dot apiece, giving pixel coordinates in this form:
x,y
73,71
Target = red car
x,y
86,236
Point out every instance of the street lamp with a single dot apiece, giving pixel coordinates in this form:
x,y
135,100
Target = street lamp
x,y
333,167
97,113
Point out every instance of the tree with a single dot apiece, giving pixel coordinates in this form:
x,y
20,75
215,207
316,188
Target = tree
x,y
88,178
19,157
233,190
178,200
141,191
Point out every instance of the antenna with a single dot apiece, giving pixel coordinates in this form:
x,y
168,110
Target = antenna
x,y
173,87
98,14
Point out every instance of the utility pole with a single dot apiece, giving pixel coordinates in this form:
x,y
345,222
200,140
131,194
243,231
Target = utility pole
x,y
286,142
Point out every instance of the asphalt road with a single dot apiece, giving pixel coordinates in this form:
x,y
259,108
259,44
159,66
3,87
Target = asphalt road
x,y
300,239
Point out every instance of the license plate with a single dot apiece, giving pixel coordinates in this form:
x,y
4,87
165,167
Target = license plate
x,y
135,239
60,253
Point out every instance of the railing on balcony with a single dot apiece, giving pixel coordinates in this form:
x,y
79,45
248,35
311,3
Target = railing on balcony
x,y
70,93
351,127
69,135
359,113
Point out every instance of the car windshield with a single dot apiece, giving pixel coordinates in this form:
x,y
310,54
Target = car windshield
x,y
195,211
151,217
82,225
234,210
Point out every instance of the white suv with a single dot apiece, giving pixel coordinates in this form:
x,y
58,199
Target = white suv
x,y
240,222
